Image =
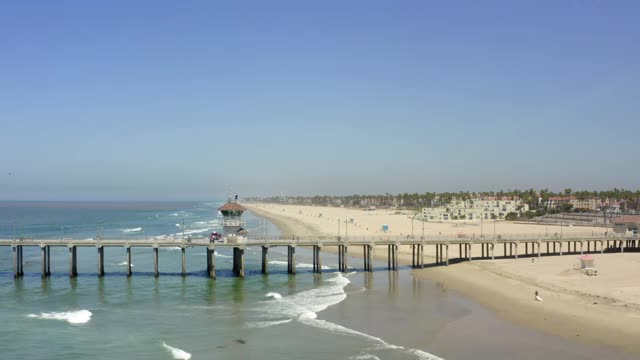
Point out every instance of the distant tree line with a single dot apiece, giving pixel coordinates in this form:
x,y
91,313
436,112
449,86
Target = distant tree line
x,y
536,199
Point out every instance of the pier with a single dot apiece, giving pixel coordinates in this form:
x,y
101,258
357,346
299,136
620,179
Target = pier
x,y
511,247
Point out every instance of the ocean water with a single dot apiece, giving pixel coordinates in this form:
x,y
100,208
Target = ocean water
x,y
355,315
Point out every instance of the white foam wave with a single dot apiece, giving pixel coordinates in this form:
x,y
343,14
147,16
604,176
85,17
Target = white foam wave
x,y
305,306
298,265
177,353
72,317
171,248
132,230
364,357
380,344
222,255
190,232
274,295
264,324
123,263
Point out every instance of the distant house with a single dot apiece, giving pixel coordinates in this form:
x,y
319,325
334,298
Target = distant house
x,y
628,224
475,210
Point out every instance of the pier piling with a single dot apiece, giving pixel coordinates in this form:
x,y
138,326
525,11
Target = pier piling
x,y
211,262
73,261
265,262
100,261
128,260
183,250
43,251
291,260
155,262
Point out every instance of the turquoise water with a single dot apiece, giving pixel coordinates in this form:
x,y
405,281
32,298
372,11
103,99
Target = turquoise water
x,y
357,315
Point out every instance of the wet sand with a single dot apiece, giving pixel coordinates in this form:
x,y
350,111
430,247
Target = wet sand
x,y
600,313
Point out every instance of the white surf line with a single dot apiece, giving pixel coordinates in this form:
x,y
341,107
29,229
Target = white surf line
x,y
177,353
72,317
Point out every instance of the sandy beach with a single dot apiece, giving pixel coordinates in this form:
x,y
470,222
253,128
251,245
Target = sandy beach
x,y
604,309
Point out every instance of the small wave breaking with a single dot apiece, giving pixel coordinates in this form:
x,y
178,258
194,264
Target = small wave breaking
x,y
132,230
305,306
177,353
72,317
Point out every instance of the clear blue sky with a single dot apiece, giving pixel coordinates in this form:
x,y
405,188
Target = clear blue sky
x,y
182,100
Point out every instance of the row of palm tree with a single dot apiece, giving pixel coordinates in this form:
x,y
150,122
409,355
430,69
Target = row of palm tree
x,y
534,198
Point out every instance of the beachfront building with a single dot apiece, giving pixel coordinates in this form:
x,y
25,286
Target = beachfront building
x,y
475,210
627,225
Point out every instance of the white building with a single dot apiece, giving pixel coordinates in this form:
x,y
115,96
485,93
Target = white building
x,y
475,210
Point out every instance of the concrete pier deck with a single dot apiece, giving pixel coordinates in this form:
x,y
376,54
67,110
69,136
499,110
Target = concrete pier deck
x,y
512,246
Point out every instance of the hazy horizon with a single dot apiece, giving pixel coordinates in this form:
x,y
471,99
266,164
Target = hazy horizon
x,y
179,102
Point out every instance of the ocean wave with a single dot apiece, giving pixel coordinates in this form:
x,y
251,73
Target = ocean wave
x,y
305,306
191,232
123,263
222,255
72,317
364,357
274,295
132,230
177,353
380,344
264,324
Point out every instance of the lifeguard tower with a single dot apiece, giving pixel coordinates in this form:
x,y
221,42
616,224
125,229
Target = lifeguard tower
x,y
232,222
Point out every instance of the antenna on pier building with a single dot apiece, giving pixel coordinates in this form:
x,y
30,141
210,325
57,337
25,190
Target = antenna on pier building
x,y
232,221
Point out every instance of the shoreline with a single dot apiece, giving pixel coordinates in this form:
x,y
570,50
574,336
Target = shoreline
x,y
569,313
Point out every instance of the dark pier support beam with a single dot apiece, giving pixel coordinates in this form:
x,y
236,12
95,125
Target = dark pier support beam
x,y
100,261
317,264
291,260
211,262
48,260
128,248
183,250
265,260
345,250
73,261
446,256
17,261
517,244
413,256
240,262
43,251
389,256
469,247
421,257
156,272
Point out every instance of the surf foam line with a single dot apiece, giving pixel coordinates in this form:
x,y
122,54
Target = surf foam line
x,y
138,229
305,306
72,317
176,353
